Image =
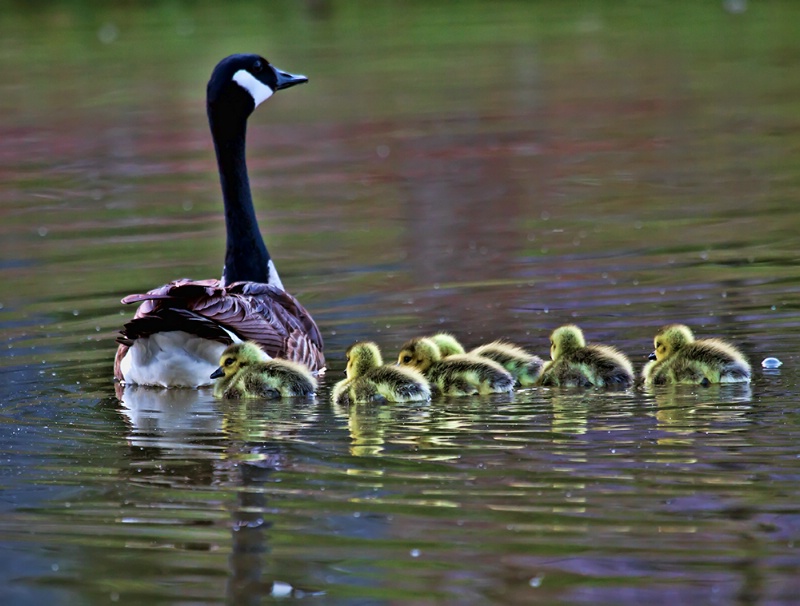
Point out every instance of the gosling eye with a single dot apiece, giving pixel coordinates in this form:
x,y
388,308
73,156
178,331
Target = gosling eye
x,y
228,361
406,359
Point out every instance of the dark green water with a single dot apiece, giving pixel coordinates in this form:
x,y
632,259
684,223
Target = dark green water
x,y
493,169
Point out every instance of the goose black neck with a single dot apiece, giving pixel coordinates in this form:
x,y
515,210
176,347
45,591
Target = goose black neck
x,y
246,255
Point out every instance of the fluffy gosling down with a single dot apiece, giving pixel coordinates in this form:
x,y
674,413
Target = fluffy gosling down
x,y
457,374
576,364
680,358
525,367
370,380
245,370
448,345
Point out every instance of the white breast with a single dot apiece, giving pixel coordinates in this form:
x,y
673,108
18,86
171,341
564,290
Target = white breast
x,y
171,359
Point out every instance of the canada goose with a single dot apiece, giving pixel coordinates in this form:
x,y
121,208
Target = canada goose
x,y
458,374
576,364
680,358
370,380
180,329
246,371
523,366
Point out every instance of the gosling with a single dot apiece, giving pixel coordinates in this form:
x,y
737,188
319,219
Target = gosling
x,y
679,358
246,371
525,367
576,364
448,345
457,374
370,380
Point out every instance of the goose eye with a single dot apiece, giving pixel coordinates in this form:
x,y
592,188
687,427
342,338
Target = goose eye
x,y
228,361
257,66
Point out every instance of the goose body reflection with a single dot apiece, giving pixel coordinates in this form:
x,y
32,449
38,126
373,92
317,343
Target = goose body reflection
x,y
245,370
578,364
180,329
680,358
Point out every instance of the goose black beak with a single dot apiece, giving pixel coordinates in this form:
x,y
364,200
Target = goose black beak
x,y
652,356
287,80
218,373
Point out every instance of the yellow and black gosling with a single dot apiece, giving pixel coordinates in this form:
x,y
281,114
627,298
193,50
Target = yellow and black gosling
x,y
246,371
447,343
457,374
576,364
680,358
525,367
370,380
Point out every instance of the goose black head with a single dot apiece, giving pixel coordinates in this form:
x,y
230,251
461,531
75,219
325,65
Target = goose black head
x,y
239,83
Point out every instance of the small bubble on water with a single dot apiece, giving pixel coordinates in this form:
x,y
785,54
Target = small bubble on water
x,y
771,363
382,151
536,581
54,567
42,231
114,596
281,589
415,553
107,33
735,7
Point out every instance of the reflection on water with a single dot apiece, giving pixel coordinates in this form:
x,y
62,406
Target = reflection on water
x,y
493,170
697,411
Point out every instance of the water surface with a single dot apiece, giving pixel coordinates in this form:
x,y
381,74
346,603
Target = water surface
x,y
491,169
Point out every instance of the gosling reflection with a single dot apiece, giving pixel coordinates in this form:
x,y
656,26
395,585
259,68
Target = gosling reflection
x,y
570,414
367,426
686,411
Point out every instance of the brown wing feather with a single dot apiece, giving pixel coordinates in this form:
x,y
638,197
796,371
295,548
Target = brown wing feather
x,y
253,311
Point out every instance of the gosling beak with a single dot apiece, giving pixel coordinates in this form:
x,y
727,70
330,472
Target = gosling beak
x,y
218,373
286,80
652,356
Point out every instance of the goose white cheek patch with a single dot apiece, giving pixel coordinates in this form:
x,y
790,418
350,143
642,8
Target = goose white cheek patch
x,y
257,89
